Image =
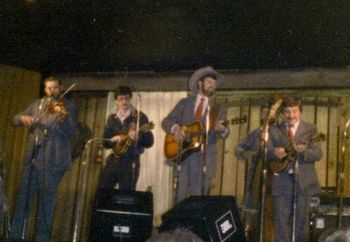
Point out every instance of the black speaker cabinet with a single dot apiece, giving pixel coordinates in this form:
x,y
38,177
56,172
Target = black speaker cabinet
x,y
213,218
325,219
122,216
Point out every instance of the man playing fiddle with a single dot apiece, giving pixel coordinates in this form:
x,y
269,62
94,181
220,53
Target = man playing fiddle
x,y
51,126
123,164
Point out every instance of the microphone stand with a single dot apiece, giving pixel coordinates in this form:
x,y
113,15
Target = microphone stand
x,y
177,173
3,199
263,147
30,177
203,150
342,176
138,111
42,113
295,188
4,212
81,189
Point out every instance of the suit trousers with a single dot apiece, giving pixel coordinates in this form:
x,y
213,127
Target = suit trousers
x,y
43,185
191,179
120,170
283,205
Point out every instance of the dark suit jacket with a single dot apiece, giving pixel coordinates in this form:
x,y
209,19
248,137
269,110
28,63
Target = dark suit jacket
x,y
307,179
54,134
114,126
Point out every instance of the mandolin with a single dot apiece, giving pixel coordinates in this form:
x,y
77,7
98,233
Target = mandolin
x,y
278,166
126,141
194,135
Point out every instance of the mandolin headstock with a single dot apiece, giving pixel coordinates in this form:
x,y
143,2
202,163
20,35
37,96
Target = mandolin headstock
x,y
148,126
238,120
319,137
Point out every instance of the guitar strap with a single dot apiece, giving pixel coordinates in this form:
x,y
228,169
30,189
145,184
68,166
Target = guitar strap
x,y
214,112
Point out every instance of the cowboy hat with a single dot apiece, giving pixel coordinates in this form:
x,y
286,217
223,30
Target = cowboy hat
x,y
199,74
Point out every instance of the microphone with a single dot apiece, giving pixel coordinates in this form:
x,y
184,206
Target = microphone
x,y
96,139
49,93
346,135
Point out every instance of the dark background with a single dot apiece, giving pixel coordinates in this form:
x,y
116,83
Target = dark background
x,y
105,35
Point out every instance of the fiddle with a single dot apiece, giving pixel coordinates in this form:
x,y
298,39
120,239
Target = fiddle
x,y
57,105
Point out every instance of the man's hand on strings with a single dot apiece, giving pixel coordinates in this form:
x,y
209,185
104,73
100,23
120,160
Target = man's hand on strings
x,y
280,152
60,109
300,148
132,134
219,126
179,134
27,120
116,138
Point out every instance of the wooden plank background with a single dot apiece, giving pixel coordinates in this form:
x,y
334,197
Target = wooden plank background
x,y
328,108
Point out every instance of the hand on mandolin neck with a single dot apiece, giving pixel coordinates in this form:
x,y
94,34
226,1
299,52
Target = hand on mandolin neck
x,y
125,139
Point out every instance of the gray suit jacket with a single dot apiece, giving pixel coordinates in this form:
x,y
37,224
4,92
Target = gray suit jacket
x,y
307,179
54,134
183,113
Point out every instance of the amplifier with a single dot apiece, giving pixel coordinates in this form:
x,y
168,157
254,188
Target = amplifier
x,y
122,216
326,199
212,218
326,218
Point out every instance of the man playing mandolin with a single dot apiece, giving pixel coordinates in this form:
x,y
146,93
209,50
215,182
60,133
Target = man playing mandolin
x,y
129,132
292,139
197,165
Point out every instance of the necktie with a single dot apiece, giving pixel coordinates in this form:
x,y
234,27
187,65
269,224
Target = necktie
x,y
199,110
290,133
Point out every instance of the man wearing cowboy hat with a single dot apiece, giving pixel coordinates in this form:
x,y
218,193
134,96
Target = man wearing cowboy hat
x,y
198,166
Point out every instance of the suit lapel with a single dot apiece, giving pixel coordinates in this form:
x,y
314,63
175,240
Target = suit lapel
x,y
283,128
300,131
191,106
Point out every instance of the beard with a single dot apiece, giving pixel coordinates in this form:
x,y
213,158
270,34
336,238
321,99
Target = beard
x,y
56,95
53,93
209,92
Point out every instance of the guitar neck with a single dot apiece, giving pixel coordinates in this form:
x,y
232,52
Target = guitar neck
x,y
195,133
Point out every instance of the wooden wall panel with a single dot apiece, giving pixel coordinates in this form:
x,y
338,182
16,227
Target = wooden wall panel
x,y
79,184
322,124
18,88
320,108
332,144
230,178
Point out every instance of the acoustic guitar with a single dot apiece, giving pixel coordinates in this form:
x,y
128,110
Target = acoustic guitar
x,y
278,166
123,145
194,136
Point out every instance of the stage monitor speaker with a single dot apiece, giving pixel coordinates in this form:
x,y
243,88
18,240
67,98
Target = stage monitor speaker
x,y
213,218
122,216
323,221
